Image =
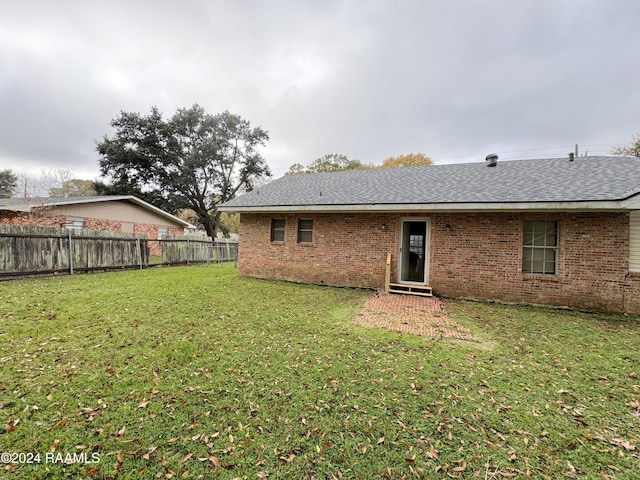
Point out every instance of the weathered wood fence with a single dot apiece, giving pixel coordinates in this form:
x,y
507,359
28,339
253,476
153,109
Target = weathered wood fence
x,y
36,250
196,248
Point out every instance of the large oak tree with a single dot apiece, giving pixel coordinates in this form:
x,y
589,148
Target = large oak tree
x,y
193,160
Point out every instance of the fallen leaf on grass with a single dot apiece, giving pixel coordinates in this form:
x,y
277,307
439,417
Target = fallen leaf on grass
x,y
433,453
61,423
11,424
460,468
147,455
624,443
288,459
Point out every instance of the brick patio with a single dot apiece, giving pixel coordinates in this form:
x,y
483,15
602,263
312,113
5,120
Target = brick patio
x,y
423,316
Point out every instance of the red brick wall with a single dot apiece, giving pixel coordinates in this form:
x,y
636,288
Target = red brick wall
x,y
347,249
102,225
32,220
479,255
150,231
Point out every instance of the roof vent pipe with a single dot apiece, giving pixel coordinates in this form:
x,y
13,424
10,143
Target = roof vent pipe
x,y
571,154
492,160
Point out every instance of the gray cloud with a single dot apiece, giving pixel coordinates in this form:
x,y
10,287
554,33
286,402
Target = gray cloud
x,y
454,80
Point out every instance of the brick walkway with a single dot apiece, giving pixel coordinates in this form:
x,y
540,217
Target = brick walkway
x,y
423,316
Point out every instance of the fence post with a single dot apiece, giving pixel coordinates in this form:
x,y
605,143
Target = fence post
x,y
70,254
139,251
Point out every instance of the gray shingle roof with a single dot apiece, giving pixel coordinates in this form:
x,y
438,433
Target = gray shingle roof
x,y
544,180
33,202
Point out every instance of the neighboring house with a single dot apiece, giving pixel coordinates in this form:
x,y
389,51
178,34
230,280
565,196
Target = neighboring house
x,y
561,232
114,213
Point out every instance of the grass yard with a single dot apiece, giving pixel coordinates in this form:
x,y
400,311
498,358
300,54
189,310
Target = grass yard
x,y
192,372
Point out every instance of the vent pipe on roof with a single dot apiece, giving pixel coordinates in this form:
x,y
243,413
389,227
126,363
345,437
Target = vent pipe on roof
x,y
491,159
571,155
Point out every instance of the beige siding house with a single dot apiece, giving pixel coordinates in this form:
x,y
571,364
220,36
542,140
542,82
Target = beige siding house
x,y
634,242
114,213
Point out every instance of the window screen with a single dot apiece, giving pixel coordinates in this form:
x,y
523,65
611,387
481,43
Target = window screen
x,y
75,224
540,247
277,230
305,231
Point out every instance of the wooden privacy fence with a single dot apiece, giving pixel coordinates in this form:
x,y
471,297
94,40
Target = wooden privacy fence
x,y
36,250
196,249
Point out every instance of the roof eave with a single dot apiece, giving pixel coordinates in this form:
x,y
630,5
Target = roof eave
x,y
601,205
57,202
159,211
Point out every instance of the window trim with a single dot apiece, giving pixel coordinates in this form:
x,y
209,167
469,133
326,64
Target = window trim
x,y
634,242
304,231
74,224
275,230
544,248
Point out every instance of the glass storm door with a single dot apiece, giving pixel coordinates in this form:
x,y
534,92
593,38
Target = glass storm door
x,y
414,251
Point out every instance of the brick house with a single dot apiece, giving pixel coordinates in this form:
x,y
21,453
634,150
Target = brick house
x,y
114,213
559,232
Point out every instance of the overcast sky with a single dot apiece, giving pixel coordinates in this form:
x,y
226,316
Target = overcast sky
x,y
455,80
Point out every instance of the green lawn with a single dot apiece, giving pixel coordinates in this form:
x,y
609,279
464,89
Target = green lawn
x,y
190,372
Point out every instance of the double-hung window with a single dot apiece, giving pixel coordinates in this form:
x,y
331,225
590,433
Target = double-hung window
x,y
277,229
305,231
75,224
540,247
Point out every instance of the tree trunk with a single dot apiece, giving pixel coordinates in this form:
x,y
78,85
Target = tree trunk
x,y
209,222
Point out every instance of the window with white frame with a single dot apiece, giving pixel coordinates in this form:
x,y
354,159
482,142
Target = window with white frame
x,y
75,224
540,247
